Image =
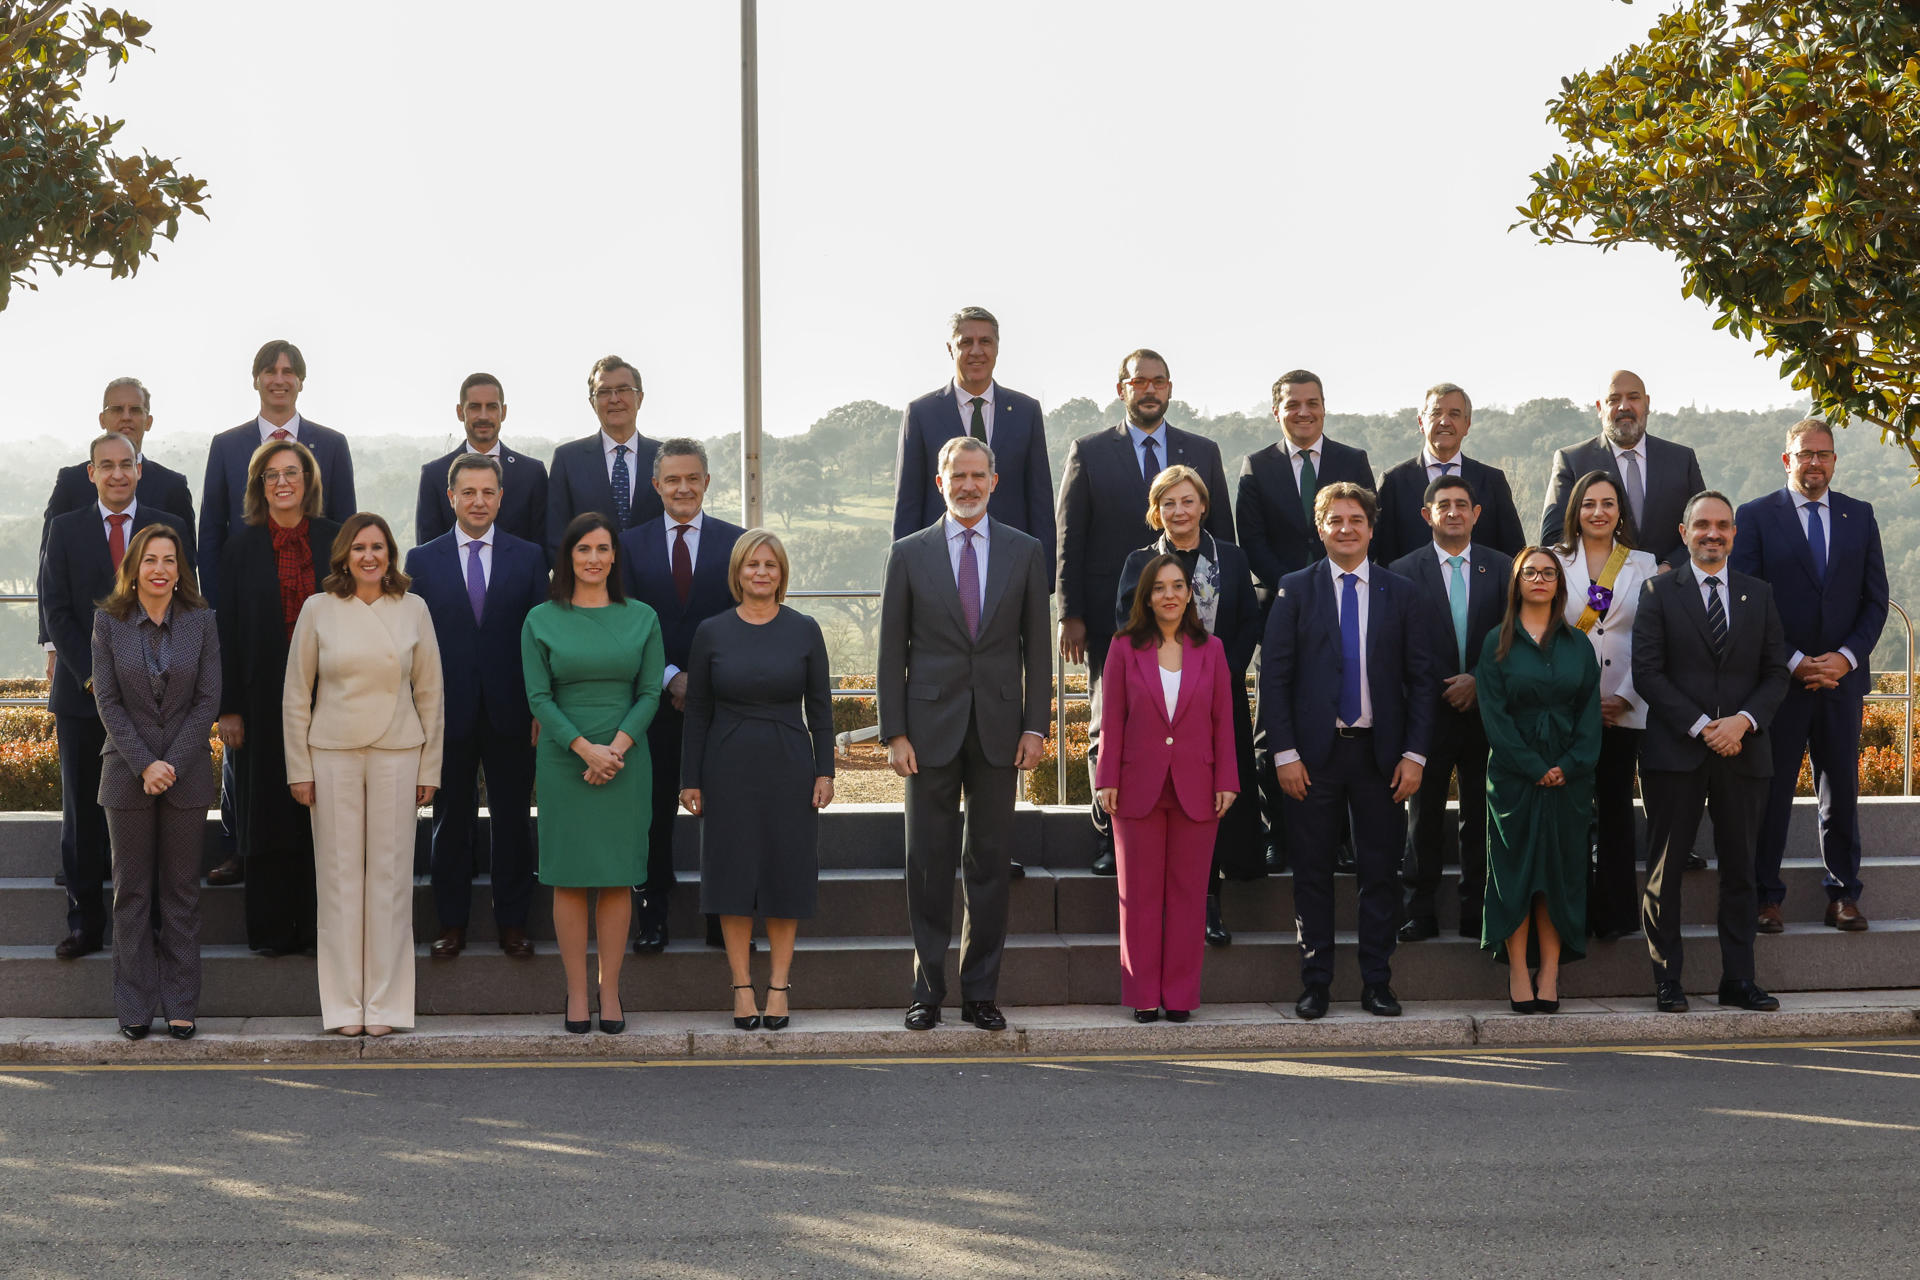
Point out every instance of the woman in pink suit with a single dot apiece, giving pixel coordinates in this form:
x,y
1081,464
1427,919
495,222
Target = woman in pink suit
x,y
1167,703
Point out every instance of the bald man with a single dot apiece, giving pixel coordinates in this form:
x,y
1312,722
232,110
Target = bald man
x,y
1655,476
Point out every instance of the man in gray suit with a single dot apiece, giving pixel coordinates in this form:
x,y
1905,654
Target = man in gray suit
x,y
963,701
1656,476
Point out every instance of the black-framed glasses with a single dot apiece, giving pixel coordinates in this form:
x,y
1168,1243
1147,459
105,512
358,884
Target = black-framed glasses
x,y
1815,455
1539,573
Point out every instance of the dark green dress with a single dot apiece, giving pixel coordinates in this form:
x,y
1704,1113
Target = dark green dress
x,y
1541,708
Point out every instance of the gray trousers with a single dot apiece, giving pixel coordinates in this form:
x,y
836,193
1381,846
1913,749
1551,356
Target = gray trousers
x,y
156,912
940,836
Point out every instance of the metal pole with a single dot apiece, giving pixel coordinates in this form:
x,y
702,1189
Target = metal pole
x,y
750,506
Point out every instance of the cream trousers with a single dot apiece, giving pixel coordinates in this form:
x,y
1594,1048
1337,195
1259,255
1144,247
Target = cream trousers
x,y
363,829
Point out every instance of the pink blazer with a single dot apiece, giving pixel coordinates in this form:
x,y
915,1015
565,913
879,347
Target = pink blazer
x,y
1139,747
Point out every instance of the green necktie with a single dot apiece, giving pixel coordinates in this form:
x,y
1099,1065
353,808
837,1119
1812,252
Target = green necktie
x,y
979,429
1309,484
1457,598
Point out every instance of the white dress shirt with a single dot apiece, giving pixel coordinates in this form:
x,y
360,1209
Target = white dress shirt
x,y
485,543
965,399
1707,594
607,446
1801,504
106,518
292,428
1170,686
1458,462
693,557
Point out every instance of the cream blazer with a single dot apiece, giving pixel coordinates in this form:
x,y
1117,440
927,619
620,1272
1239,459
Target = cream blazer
x,y
1612,636
363,675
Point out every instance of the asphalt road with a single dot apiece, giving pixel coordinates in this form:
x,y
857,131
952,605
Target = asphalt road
x,y
1716,1162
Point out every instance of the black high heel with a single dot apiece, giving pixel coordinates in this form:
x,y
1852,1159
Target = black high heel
x,y
773,1022
748,1024
579,1028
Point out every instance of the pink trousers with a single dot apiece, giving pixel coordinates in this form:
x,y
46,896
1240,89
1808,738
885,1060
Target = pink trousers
x,y
1164,860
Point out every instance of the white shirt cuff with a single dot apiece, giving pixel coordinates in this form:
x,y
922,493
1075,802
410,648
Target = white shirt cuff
x,y
666,678
1698,725
1751,721
1853,663
1417,759
48,646
1795,659
1034,733
1287,757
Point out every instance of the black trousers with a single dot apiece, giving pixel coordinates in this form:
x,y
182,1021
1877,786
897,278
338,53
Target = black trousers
x,y
663,742
507,760
978,840
1348,782
1675,802
1613,891
1097,647
85,853
1459,746
280,899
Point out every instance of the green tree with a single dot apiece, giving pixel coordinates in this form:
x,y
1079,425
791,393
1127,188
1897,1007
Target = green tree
x,y
1769,145
66,198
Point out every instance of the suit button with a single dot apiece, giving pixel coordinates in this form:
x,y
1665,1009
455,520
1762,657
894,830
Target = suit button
x,y
1607,663
1169,741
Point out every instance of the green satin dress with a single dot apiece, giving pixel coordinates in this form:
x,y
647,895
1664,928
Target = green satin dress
x,y
1541,708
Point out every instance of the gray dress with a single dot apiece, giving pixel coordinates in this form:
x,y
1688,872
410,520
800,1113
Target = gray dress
x,y
747,749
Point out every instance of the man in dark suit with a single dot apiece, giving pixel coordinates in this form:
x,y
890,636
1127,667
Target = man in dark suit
x,y
974,405
523,479
1463,592
677,564
1103,519
1820,552
77,568
1347,694
1446,415
963,697
1656,476
1711,661
605,472
480,582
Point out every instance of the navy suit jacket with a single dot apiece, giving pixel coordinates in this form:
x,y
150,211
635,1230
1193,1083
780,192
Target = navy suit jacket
x,y
1401,530
1849,609
225,489
577,481
159,486
481,661
1024,495
1488,574
76,571
647,574
1274,529
523,498
1300,667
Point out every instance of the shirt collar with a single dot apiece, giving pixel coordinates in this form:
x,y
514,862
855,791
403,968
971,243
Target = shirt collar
x,y
1466,556
486,453
485,539
954,527
608,444
961,395
1158,435
267,428
133,509
1700,573
1458,461
1294,450
693,525
1366,567
1639,450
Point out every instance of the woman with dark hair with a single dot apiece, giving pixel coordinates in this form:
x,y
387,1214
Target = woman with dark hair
x,y
1222,583
364,719
593,661
1603,576
156,679
1170,772
1539,692
267,571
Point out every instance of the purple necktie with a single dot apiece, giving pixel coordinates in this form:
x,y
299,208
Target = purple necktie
x,y
476,581
969,584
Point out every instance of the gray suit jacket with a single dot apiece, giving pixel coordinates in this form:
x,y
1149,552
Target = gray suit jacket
x,y
1672,476
141,729
934,677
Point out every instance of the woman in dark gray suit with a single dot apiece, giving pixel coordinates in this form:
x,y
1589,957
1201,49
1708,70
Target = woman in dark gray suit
x,y
156,679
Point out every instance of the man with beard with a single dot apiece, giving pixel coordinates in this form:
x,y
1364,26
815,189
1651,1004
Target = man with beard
x,y
482,411
1446,415
1656,476
1103,517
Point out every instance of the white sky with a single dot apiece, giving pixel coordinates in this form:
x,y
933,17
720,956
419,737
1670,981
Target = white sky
x,y
412,191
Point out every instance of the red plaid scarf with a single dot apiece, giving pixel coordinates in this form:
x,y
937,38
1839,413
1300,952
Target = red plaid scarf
x,y
293,559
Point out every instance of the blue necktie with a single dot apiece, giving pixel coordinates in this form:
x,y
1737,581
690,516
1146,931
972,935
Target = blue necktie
x,y
622,486
1457,599
1349,649
1817,541
476,581
1149,461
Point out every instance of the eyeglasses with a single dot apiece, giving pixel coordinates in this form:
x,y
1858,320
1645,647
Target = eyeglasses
x,y
287,476
1147,384
1815,455
1539,573
608,393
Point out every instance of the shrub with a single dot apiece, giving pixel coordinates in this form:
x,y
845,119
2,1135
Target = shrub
x,y
30,775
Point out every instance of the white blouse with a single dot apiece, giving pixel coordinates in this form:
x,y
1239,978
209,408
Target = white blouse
x,y
1170,685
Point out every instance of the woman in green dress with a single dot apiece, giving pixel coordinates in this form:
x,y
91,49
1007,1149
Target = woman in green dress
x,y
593,662
1539,691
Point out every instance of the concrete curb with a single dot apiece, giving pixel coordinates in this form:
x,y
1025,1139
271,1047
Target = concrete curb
x,y
1040,1033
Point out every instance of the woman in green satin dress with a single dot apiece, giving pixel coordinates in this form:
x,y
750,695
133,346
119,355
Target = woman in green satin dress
x,y
593,661
1539,692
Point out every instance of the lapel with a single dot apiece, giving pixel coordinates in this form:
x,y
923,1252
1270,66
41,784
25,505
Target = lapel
x,y
1290,491
1146,662
1377,606
1193,662
1786,511
1485,590
1005,433
1129,462
1328,605
1687,583
934,550
999,570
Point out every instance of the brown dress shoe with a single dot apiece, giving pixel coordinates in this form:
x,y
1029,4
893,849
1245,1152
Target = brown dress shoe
x,y
1771,921
228,872
1845,916
450,943
516,943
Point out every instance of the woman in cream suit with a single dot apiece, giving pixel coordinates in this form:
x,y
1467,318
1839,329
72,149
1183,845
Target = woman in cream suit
x,y
1604,575
363,736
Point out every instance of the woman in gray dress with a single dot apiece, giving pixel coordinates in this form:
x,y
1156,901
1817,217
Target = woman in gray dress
x,y
749,772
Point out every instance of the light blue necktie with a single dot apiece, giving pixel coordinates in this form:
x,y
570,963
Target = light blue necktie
x,y
1349,649
1817,541
1457,598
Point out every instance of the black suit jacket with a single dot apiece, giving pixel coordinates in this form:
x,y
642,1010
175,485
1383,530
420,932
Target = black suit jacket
x,y
1102,514
1274,529
577,481
481,661
225,490
159,486
1675,670
1402,530
1672,476
523,498
76,572
646,572
1024,496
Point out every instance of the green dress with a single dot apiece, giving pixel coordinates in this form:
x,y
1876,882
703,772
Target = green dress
x,y
592,673
1541,708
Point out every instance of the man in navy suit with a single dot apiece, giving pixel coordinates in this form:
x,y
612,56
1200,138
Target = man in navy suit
x,y
480,582
677,564
1103,518
1820,552
1347,693
1446,415
974,405
607,471
1463,591
523,479
83,552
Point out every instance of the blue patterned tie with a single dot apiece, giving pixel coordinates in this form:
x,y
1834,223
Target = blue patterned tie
x,y
1817,541
1349,648
476,581
622,487
1457,599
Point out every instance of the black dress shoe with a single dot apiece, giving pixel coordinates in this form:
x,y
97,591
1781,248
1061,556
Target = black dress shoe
x,y
1146,1015
1520,1006
1016,871
182,1033
1377,998
228,872
922,1016
75,945
1104,864
1419,929
451,942
579,1028
1217,935
612,1026
1276,858
651,939
984,1014
1179,1015
135,1032
1312,1002
1668,997
1695,862
776,1021
1546,1006
1744,993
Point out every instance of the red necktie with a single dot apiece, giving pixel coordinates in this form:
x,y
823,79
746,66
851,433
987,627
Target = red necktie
x,y
281,433
682,565
117,538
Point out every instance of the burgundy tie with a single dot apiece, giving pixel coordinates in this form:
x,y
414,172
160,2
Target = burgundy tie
x,y
117,538
682,564
969,584
281,433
